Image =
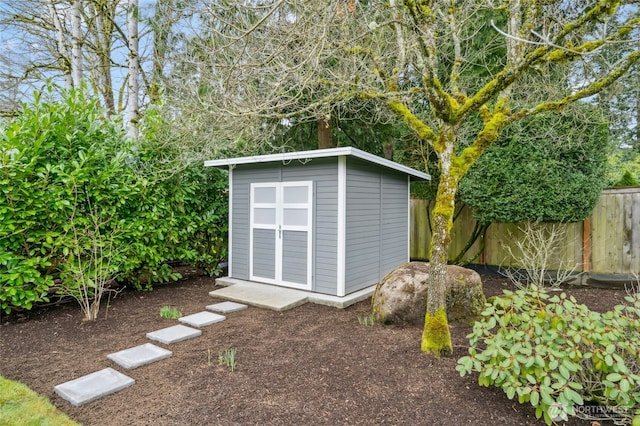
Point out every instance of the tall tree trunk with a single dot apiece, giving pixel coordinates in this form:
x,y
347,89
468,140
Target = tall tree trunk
x,y
65,65
161,26
436,336
387,149
105,23
134,69
325,134
76,43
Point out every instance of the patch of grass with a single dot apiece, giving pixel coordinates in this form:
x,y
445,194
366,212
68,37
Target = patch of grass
x,y
19,405
170,312
367,320
228,358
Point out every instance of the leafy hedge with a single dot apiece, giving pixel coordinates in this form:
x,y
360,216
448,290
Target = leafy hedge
x,y
62,165
548,168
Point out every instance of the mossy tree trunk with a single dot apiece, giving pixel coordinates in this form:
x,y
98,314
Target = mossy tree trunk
x,y
452,166
436,337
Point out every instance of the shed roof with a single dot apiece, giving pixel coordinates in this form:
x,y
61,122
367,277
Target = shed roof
x,y
320,153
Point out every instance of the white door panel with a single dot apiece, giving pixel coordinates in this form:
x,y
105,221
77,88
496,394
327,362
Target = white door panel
x,y
281,216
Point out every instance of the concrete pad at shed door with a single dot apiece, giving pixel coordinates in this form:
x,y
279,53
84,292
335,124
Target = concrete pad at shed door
x,y
93,386
260,295
140,355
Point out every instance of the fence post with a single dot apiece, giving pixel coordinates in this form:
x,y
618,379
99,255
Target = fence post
x,y
586,245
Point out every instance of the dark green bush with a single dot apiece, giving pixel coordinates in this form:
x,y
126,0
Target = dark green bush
x,y
548,168
62,164
56,159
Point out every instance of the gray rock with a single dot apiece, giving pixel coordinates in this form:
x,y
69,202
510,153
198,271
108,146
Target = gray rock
x,y
401,296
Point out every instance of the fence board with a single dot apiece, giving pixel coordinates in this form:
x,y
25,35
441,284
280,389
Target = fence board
x,y
612,246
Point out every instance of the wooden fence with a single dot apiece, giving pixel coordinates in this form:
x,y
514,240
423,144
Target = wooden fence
x,y
607,242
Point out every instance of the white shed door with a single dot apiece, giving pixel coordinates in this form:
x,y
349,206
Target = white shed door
x,y
280,234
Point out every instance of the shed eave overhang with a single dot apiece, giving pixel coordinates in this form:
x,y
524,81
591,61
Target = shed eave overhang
x,y
320,153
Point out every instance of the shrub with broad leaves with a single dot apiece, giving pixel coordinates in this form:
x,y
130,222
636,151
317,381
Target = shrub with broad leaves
x,y
556,354
64,163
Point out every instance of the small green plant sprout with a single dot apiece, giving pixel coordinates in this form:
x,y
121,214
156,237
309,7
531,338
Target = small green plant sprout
x,y
209,353
228,358
368,320
170,312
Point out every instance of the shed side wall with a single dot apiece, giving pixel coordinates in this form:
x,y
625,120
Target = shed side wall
x,y
376,223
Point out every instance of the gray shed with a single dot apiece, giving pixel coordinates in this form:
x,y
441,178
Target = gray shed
x,y
331,221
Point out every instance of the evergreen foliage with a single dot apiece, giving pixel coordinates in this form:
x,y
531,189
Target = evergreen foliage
x,y
62,166
626,180
556,354
548,168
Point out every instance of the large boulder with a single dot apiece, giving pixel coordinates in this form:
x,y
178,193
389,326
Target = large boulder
x,y
401,296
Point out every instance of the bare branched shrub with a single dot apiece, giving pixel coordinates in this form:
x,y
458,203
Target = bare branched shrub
x,y
92,262
536,250
634,288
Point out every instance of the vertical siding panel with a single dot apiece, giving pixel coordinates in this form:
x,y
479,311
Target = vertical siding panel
x,y
628,248
420,230
462,230
393,222
612,232
294,256
574,250
490,245
264,257
324,174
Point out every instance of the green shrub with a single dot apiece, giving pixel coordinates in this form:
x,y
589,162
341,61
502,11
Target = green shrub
x,y
62,165
556,169
56,159
626,180
556,354
180,214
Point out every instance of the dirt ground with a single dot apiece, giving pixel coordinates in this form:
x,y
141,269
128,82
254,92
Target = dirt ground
x,y
309,365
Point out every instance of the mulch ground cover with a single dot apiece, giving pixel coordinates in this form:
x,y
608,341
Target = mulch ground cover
x,y
309,365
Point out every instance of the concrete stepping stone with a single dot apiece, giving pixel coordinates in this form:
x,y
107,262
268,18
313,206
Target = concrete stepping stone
x,y
226,307
139,355
176,333
93,386
202,319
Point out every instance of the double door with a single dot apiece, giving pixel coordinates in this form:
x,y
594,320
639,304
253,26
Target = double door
x,y
280,233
